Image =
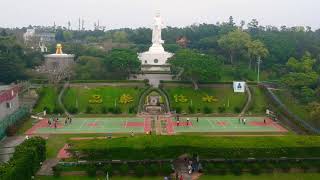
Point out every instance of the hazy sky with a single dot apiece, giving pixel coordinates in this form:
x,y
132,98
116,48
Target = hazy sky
x,y
138,13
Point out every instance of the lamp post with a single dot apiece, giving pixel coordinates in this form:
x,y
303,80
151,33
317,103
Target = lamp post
x,y
258,75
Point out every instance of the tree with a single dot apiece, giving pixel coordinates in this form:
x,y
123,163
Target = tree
x,y
256,49
89,67
253,26
233,42
124,61
11,60
195,66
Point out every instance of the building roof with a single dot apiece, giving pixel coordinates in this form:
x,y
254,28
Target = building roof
x,y
7,93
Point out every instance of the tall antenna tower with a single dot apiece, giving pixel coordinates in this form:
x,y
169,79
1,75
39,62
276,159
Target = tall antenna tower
x,y
82,26
69,25
79,25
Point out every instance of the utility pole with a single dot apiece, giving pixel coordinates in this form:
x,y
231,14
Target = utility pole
x,y
258,76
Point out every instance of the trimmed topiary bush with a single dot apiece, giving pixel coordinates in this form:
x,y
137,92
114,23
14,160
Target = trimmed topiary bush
x,y
73,110
207,110
108,169
221,109
191,109
124,169
152,169
104,110
237,110
91,170
89,109
165,169
139,170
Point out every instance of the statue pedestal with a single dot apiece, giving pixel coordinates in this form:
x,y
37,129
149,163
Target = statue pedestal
x,y
155,59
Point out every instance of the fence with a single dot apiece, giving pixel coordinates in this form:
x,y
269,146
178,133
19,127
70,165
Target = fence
x,y
276,101
12,119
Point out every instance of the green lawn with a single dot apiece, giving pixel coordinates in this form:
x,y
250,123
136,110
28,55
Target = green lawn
x,y
163,147
274,176
224,95
79,98
56,142
48,98
259,101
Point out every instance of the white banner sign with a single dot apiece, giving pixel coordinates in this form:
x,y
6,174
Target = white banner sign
x,y
239,86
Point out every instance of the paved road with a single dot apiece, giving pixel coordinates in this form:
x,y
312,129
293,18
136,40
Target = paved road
x,y
154,79
7,146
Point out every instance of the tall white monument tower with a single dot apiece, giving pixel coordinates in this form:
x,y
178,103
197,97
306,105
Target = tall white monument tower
x,y
155,60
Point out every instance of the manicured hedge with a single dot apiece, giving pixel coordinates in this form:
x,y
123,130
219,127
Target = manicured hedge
x,y
25,161
170,147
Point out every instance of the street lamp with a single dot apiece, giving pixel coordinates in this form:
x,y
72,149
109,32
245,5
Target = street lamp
x,y
259,61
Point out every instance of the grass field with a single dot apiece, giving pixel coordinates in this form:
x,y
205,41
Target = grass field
x,y
259,101
48,99
79,98
225,96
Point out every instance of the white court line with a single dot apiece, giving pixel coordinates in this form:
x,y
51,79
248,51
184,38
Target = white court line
x,y
85,121
209,121
126,124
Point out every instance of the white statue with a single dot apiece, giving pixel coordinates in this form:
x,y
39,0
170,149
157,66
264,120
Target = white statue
x,y
156,32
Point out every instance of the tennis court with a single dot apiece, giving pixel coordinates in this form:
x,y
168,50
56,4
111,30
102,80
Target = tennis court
x,y
93,125
222,124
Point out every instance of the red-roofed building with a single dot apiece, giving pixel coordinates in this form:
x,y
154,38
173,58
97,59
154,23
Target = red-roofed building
x,y
9,100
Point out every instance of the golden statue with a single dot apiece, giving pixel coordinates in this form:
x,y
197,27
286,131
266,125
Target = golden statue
x,y
59,49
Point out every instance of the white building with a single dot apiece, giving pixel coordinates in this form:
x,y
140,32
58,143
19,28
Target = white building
x,y
9,100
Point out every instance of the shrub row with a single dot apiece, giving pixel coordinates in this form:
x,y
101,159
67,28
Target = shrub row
x,y
138,169
256,168
102,110
25,161
205,110
149,147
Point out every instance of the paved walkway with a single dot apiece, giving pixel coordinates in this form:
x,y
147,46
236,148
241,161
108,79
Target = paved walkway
x,y
154,79
7,147
46,168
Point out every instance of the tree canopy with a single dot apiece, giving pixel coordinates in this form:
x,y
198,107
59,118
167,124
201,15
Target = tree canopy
x,y
196,66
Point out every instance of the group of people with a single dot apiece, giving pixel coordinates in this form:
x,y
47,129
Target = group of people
x,y
188,120
55,121
68,120
242,120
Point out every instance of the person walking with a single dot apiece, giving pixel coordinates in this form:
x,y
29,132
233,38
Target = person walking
x,y
188,119
244,121
197,119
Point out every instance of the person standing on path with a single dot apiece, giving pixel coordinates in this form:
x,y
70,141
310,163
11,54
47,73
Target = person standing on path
x,y
197,119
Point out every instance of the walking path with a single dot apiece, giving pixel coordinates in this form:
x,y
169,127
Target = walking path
x,y
46,168
248,103
65,86
7,147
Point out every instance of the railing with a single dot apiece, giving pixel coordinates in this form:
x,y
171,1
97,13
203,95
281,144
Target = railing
x,y
287,112
12,119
